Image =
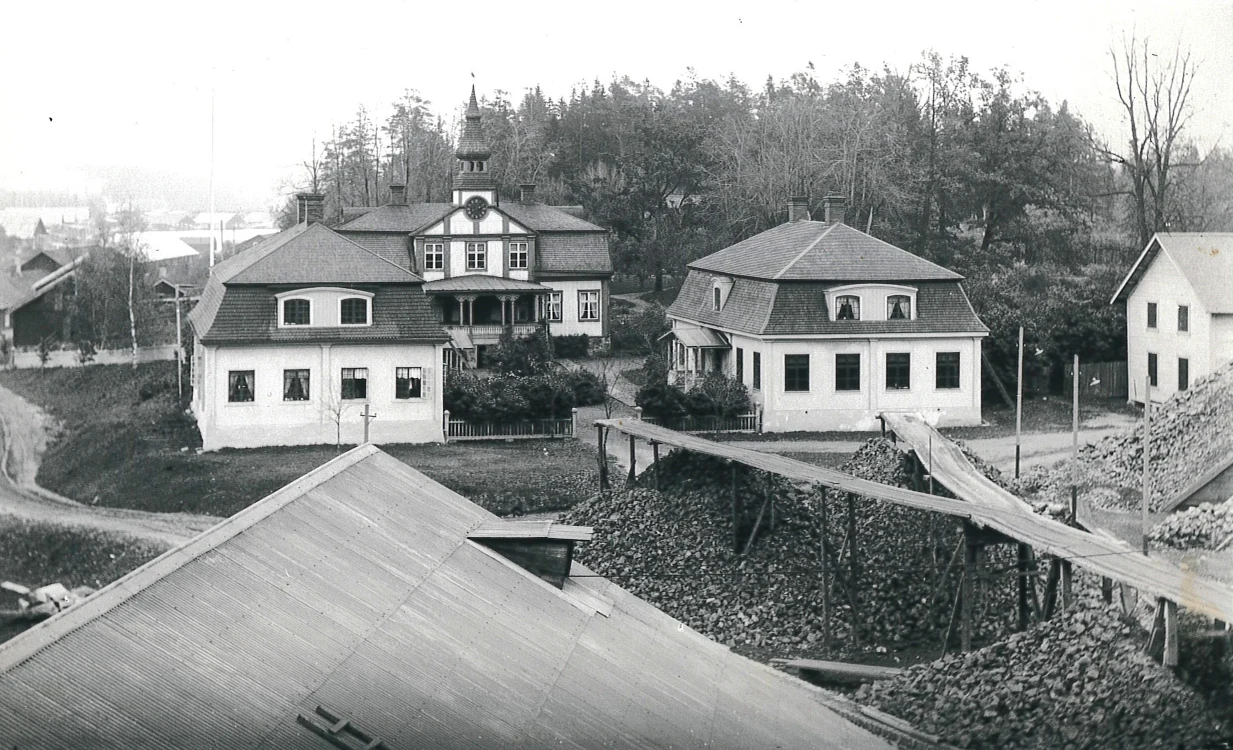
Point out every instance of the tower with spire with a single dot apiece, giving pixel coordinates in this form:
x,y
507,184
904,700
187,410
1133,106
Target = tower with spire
x,y
474,179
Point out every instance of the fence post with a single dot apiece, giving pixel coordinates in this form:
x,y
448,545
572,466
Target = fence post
x,y
573,415
758,418
445,427
638,413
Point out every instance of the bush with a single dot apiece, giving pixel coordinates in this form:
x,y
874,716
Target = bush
x,y
525,355
718,395
657,398
576,346
587,387
511,398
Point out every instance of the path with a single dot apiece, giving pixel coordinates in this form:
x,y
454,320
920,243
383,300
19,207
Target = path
x,y
26,430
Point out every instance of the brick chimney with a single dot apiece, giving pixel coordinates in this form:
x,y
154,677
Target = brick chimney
x,y
798,208
835,207
398,195
528,192
310,208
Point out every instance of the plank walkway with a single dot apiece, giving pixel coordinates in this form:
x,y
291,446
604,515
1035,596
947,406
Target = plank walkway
x,y
981,502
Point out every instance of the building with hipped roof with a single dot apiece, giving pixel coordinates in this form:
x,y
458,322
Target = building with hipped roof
x,y
366,606
491,266
298,336
1179,311
829,327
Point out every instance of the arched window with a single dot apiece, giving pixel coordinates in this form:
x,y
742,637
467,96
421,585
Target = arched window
x,y
848,307
898,307
718,301
353,311
297,312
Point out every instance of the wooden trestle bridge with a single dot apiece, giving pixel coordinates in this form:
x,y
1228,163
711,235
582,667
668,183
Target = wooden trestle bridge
x,y
991,515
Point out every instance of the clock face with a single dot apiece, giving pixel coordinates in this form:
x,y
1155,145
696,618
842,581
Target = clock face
x,y
476,207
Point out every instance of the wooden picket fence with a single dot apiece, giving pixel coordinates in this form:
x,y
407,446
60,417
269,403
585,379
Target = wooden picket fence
x,y
531,429
738,423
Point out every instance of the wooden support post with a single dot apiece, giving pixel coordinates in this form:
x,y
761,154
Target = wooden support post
x,y
1050,589
1156,638
954,611
757,523
602,458
826,582
1074,449
655,454
1025,614
1106,590
633,460
1019,404
917,470
736,531
965,591
771,495
1067,574
853,570
1170,635
1147,453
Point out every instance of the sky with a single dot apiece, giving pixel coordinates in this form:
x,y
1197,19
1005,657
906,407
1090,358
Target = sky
x,y
129,84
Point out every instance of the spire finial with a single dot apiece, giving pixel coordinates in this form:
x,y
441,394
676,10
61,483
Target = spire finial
x,y
473,110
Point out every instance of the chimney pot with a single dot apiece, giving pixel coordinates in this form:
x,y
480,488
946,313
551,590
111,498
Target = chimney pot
x,y
798,208
398,195
311,208
528,192
836,207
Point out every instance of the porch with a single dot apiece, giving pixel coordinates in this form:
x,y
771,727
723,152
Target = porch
x,y
475,310
694,353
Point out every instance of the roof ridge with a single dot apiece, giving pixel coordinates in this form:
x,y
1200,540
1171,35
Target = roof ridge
x,y
377,255
26,645
225,272
800,255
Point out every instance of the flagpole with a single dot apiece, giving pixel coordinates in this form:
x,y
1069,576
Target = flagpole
x,y
213,237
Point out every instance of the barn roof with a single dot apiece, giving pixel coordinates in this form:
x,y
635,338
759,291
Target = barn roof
x,y
353,594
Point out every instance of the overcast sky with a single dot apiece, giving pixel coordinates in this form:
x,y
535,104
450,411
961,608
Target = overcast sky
x,y
128,83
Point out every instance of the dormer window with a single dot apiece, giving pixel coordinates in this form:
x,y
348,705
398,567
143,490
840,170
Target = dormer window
x,y
353,311
721,287
297,312
848,307
718,301
899,307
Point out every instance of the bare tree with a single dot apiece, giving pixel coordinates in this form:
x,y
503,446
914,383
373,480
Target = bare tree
x,y
1154,94
333,407
130,225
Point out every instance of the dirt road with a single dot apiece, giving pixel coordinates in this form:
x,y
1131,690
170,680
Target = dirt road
x,y
26,431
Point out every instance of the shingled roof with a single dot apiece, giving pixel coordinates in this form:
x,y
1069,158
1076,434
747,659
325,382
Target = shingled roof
x,y
799,308
354,593
1204,258
817,251
311,254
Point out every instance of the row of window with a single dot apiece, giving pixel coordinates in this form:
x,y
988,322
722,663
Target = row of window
x,y
588,306
898,307
1183,316
352,311
1183,371
848,371
477,256
241,384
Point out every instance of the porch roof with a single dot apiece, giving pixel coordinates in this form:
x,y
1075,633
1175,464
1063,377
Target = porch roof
x,y
699,337
482,283
459,338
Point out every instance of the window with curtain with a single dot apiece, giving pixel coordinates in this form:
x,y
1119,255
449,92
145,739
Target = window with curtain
x,y
295,385
354,382
240,386
588,305
552,307
899,307
408,382
848,307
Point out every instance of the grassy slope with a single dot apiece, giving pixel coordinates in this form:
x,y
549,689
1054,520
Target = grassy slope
x,y
123,433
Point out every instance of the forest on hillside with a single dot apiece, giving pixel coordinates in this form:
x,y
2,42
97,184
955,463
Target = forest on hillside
x,y
970,169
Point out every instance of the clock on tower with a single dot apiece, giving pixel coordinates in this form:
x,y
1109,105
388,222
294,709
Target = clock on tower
x,y
476,207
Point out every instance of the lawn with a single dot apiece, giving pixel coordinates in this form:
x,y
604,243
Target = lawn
x,y
127,443
36,554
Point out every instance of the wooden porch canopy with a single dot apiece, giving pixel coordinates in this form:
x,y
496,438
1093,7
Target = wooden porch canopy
x,y
700,338
477,283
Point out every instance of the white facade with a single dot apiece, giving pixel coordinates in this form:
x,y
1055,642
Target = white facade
x,y
269,419
571,322
1205,346
824,407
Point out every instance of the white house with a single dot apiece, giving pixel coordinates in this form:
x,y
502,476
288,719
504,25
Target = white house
x,y
829,327
1179,311
489,264
295,338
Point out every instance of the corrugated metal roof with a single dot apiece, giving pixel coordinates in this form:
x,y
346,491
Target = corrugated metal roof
x,y
355,588
816,251
478,282
1204,258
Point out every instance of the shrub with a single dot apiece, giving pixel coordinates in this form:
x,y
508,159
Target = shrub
x,y
510,398
657,398
524,355
587,387
575,346
718,395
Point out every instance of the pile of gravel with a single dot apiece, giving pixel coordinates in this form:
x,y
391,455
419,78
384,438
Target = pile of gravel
x,y
1079,680
1205,526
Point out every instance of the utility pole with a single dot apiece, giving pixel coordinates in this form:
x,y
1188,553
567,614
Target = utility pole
x,y
179,348
1074,446
368,417
1019,405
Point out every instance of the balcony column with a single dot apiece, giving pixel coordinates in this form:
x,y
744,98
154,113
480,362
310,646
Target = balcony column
x,y
462,320
506,300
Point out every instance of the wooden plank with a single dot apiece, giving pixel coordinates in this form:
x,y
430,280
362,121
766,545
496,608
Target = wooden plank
x,y
1170,634
839,671
969,572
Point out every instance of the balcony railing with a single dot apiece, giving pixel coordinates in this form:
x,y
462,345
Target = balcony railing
x,y
489,333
